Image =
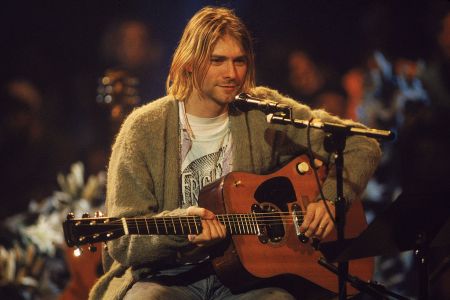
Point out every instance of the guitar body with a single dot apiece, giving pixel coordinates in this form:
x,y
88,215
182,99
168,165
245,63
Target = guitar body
x,y
84,272
248,257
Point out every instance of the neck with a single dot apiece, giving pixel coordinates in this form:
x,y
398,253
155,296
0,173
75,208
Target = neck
x,y
198,106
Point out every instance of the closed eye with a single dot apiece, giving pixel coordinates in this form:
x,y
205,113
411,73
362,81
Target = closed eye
x,y
240,61
217,59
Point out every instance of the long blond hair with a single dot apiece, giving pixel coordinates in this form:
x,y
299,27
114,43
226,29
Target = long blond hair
x,y
191,58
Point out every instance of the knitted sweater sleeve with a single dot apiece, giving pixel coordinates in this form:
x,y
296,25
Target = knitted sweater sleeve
x,y
131,193
361,154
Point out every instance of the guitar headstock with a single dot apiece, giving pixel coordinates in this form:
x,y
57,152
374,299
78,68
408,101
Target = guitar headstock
x,y
90,230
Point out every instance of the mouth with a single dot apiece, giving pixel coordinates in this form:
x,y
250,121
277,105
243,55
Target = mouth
x,y
228,87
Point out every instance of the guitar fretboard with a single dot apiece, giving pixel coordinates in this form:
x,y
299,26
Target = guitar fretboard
x,y
239,224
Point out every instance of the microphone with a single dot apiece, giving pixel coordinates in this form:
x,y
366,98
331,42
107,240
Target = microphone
x,y
246,102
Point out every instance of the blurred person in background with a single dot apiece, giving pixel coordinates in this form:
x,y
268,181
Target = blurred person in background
x,y
306,78
313,84
32,151
353,84
130,74
333,100
130,46
436,76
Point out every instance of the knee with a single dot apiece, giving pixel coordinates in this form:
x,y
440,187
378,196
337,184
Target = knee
x,y
280,294
147,291
275,294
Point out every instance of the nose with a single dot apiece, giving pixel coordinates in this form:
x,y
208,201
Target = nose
x,y
230,71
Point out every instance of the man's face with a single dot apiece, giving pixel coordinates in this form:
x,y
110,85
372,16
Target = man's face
x,y
225,74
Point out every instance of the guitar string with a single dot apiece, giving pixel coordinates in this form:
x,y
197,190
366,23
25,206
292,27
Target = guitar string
x,y
250,222
244,213
299,212
194,222
163,220
249,228
237,230
229,219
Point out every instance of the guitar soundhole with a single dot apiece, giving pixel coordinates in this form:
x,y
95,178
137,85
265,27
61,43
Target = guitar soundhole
x,y
273,222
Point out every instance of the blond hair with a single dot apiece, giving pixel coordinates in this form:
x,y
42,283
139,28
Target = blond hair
x,y
191,58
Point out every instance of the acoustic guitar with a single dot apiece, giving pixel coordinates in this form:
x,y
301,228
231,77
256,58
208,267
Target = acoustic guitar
x,y
262,214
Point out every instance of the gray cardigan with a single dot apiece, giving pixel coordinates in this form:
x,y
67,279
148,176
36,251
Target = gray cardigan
x,y
144,175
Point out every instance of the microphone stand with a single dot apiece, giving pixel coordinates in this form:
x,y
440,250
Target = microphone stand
x,y
374,289
335,139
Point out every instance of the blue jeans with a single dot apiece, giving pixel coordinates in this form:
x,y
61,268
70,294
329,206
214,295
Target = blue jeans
x,y
190,285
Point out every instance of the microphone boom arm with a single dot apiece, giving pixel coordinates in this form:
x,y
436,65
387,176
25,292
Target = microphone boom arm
x,y
283,115
333,127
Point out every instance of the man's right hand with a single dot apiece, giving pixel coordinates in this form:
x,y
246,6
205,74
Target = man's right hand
x,y
213,231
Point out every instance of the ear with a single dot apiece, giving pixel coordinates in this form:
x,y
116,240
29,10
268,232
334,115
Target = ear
x,y
188,68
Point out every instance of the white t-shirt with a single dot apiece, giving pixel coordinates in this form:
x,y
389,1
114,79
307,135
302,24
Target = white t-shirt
x,y
206,156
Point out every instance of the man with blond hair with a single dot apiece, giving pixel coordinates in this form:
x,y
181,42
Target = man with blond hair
x,y
169,149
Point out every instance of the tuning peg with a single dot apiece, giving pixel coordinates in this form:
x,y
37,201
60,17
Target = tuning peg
x,y
98,214
77,252
85,215
70,216
92,248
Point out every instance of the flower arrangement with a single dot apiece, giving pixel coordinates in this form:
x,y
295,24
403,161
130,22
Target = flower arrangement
x,y
31,256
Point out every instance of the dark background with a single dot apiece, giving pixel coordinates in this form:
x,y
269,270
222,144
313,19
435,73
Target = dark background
x,y
57,46
53,39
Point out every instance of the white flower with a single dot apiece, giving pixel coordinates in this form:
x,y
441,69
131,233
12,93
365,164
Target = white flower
x,y
77,171
46,233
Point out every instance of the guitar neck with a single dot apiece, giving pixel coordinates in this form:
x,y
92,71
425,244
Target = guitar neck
x,y
92,230
181,225
237,224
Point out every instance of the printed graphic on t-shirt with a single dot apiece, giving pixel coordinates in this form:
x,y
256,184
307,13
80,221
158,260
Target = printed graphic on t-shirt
x,y
199,173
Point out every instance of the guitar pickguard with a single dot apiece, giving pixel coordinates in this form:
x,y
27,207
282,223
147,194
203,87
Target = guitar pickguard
x,y
272,196
277,190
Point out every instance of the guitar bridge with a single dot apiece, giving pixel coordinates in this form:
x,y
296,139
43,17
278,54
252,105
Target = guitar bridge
x,y
297,217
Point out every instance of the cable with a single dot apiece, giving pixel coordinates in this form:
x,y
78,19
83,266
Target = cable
x,y
316,176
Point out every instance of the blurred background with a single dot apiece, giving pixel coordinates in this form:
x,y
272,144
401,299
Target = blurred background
x,y
70,71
